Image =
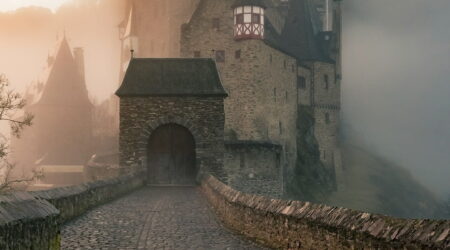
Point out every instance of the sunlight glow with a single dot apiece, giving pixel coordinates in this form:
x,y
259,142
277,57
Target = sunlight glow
x,y
11,5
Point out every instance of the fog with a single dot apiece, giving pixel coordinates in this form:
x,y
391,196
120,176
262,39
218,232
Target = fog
x,y
396,85
28,34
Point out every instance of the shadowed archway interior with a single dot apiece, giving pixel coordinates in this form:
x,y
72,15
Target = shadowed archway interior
x,y
171,156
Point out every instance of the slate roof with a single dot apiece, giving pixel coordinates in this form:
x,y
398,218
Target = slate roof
x,y
171,77
297,38
61,83
260,3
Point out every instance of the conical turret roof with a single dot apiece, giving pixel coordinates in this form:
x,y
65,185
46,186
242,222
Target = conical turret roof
x,y
64,84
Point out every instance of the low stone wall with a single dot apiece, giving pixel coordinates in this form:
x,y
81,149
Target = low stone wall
x,y
32,220
27,222
287,224
75,200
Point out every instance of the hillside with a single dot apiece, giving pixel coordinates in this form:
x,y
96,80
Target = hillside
x,y
374,185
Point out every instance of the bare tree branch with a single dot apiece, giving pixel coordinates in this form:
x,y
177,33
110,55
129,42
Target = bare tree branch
x,y
11,106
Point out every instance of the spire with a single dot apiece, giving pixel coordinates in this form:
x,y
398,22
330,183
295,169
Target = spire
x,y
131,23
64,83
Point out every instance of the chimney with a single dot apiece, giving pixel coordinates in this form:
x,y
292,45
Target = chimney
x,y
79,60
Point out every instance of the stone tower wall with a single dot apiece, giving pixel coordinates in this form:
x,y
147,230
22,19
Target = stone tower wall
x,y
261,83
326,104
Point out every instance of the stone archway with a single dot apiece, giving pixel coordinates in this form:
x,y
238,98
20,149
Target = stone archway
x,y
171,156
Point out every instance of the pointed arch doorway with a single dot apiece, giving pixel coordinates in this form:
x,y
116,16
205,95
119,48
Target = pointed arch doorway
x,y
171,156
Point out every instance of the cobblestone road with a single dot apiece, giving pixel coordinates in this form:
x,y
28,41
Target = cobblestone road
x,y
153,218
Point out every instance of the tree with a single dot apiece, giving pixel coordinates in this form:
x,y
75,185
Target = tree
x,y
11,107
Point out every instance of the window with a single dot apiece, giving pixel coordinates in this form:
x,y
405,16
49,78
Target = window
x,y
220,56
301,82
240,19
216,23
280,125
256,18
196,54
327,118
237,54
270,58
286,96
284,63
325,80
248,22
293,67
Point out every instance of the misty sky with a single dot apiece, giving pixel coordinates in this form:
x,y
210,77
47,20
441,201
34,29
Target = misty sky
x,y
10,5
396,87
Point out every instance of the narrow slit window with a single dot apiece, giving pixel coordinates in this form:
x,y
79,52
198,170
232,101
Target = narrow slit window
x,y
301,82
237,54
216,23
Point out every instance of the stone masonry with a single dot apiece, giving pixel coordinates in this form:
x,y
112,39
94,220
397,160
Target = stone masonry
x,y
203,116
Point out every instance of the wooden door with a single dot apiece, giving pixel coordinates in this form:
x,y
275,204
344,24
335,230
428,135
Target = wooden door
x,y
171,156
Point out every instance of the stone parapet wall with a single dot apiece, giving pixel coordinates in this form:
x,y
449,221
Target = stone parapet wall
x,y
284,224
32,220
75,200
27,222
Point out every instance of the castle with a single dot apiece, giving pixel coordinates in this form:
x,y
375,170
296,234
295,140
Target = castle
x,y
276,59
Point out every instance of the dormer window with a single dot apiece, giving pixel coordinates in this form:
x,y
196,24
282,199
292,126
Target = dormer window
x,y
248,22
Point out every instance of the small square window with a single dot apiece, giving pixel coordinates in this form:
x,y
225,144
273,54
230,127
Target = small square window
x,y
220,56
237,54
197,54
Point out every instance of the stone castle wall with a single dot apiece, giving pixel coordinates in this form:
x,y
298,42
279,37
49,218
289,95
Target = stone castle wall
x,y
326,104
254,167
202,116
260,80
283,224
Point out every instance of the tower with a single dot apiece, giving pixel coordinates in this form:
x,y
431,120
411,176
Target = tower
x,y
62,128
